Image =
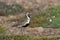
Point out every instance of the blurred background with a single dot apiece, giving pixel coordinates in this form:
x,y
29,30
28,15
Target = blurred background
x,y
45,14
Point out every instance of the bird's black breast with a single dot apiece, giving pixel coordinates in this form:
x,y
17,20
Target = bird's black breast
x,y
25,25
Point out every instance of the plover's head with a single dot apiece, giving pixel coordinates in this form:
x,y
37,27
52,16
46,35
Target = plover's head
x,y
28,14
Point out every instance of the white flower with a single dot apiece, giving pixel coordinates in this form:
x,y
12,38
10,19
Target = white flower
x,y
50,20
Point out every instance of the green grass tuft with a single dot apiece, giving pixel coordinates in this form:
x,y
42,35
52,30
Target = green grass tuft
x,y
53,11
2,30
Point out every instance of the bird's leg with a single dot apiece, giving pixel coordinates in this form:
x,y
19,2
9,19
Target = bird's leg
x,y
22,30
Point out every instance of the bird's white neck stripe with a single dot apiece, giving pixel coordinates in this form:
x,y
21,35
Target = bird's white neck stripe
x,y
28,19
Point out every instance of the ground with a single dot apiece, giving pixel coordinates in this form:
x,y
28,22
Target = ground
x,y
37,31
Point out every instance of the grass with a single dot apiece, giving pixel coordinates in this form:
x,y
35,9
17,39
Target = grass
x,y
13,9
42,18
37,21
24,37
54,11
2,30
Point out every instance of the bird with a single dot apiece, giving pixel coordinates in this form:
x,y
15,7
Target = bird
x,y
26,24
23,26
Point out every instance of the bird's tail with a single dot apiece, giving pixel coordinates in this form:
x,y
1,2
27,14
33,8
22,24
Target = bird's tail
x,y
19,26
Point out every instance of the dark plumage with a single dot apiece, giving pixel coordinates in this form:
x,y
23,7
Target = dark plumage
x,y
25,25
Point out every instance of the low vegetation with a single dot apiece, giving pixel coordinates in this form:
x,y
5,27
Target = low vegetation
x,y
28,38
54,14
6,10
2,30
37,21
43,18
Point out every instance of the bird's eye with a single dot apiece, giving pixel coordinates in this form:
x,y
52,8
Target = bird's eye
x,y
29,15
